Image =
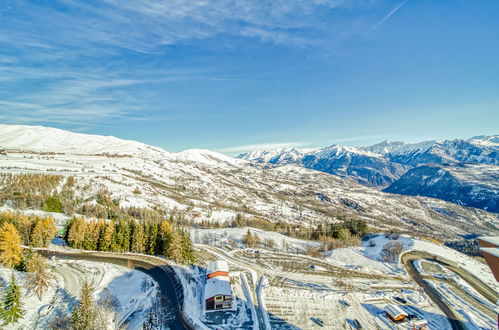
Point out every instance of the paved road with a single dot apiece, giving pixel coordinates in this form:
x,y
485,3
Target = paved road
x,y
169,298
485,290
454,320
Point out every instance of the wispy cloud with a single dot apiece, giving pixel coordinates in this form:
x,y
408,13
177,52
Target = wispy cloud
x,y
362,138
261,146
71,57
387,16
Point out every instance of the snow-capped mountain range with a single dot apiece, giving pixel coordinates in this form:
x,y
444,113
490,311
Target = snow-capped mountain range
x,y
385,164
206,185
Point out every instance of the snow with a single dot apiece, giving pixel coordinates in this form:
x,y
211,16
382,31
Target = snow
x,y
219,285
61,296
367,257
205,185
222,236
473,266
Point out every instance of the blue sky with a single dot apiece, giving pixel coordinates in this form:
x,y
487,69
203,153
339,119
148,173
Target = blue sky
x,y
233,75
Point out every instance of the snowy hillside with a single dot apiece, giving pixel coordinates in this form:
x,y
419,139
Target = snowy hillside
x,y
382,164
475,185
205,185
364,166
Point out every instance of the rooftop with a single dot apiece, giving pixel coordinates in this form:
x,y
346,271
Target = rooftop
x,y
490,239
215,286
218,265
395,310
492,251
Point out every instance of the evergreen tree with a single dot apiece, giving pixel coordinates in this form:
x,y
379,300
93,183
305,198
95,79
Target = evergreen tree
x,y
39,275
106,238
91,236
122,237
248,239
76,233
174,247
12,310
152,238
49,231
187,251
10,249
165,231
84,314
138,239
37,235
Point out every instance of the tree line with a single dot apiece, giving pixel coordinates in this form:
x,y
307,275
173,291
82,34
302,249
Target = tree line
x,y
33,230
128,235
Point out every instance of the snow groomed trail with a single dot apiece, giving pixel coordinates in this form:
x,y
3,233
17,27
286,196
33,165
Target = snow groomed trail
x,y
160,273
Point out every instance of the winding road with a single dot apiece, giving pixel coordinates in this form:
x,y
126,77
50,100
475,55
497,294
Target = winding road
x,y
456,322
159,273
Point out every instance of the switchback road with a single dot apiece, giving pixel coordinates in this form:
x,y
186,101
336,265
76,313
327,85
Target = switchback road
x,y
159,273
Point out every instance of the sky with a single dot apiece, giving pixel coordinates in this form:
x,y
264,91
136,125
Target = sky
x,y
235,76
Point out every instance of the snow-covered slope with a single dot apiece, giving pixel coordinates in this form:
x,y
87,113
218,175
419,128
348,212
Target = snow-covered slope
x,y
53,140
382,164
478,150
364,166
475,185
209,186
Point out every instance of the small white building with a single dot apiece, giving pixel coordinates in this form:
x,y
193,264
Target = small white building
x,y
218,291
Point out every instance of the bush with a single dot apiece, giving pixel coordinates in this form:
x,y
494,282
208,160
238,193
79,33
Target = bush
x,y
391,251
53,204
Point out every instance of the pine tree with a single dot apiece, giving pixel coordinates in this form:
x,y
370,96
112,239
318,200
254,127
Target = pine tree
x,y
165,232
106,238
138,239
39,276
84,314
174,247
248,239
37,235
152,238
187,251
10,249
122,237
76,233
12,310
91,236
49,231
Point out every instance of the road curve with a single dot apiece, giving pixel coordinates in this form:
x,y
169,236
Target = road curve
x,y
485,290
159,274
455,322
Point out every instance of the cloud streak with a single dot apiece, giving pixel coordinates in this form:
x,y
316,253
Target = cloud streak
x,y
387,16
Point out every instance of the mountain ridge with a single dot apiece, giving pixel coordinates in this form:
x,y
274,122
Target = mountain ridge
x,y
208,186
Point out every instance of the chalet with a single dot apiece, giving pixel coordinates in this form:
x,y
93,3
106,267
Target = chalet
x,y
395,313
218,292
